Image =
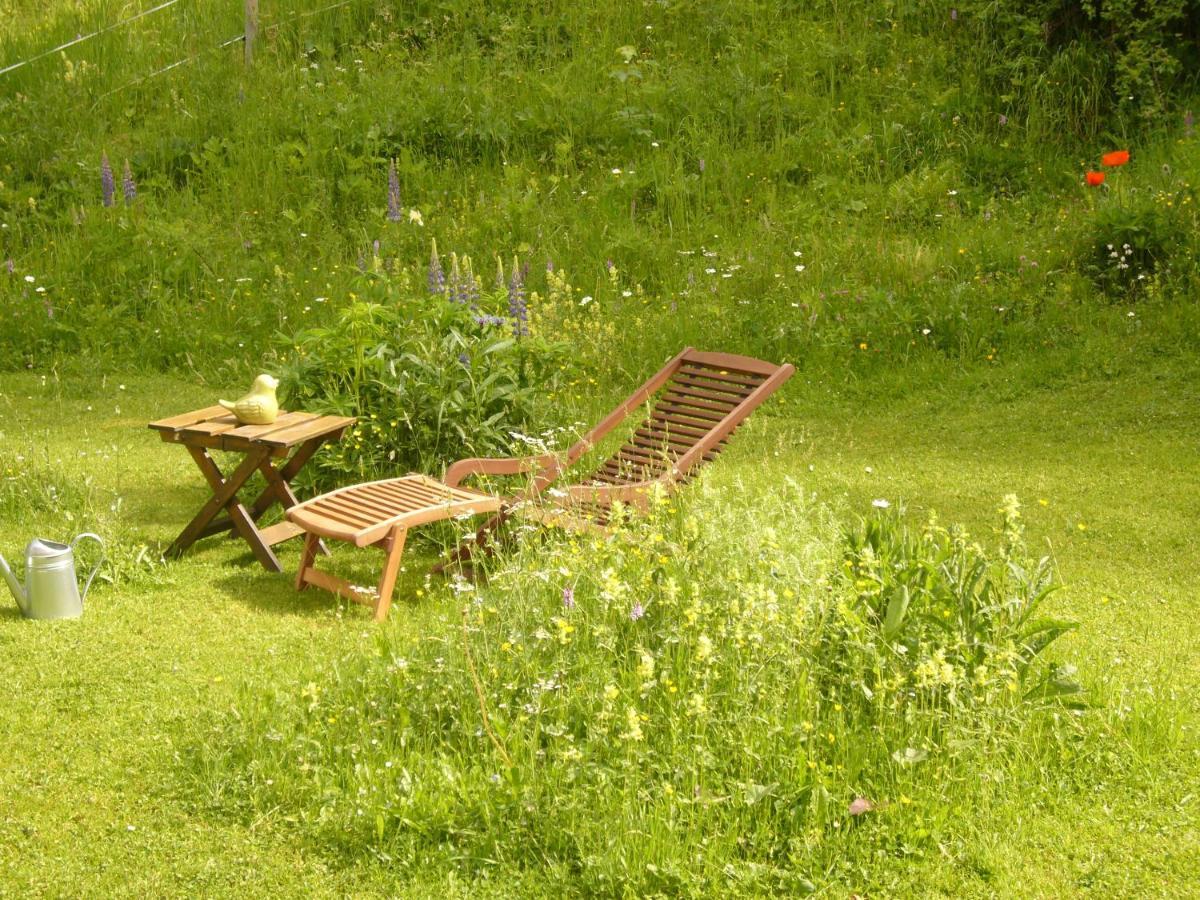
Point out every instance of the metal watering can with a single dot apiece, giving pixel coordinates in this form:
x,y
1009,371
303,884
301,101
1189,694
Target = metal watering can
x,y
51,590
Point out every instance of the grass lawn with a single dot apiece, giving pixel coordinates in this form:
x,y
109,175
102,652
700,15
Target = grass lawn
x,y
97,791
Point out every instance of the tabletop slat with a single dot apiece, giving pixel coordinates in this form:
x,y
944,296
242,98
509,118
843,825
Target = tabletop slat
x,y
284,420
296,434
174,423
213,426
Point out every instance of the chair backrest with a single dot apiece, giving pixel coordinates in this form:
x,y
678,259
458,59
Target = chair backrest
x,y
699,400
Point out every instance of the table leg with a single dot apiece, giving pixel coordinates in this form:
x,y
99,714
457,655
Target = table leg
x,y
279,480
225,497
279,483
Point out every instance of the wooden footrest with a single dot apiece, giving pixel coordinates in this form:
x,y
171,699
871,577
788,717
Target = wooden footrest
x,y
378,513
364,514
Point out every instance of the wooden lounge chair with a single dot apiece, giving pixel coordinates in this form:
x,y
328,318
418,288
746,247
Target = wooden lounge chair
x,y
699,401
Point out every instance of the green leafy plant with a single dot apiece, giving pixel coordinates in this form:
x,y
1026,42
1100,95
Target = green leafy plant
x,y
1128,243
431,380
933,617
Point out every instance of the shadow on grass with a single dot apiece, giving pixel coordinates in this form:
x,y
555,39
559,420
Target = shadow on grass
x,y
159,508
276,594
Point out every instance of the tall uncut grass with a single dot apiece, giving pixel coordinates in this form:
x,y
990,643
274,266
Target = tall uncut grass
x,y
723,696
831,183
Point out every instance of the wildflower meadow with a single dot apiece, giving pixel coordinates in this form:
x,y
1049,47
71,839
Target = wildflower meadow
x,y
922,625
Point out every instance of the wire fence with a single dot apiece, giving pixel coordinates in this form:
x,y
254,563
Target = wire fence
x,y
250,29
85,37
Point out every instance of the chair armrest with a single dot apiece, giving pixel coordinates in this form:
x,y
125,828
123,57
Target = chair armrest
x,y
636,494
465,468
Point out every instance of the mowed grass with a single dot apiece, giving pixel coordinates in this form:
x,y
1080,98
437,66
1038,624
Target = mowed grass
x,y
98,787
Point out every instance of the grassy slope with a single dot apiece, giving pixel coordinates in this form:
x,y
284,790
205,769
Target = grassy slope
x,y
99,711
857,135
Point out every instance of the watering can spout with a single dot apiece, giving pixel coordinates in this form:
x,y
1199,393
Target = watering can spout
x,y
14,586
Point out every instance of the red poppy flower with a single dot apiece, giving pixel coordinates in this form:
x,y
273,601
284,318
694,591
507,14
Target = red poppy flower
x,y
1095,179
1116,158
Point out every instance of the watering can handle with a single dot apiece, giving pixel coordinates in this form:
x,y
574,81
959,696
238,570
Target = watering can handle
x,y
99,562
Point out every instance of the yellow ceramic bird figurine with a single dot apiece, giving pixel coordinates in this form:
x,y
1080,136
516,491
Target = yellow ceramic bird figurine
x,y
259,407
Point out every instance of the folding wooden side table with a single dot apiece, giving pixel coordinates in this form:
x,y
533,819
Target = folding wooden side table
x,y
290,440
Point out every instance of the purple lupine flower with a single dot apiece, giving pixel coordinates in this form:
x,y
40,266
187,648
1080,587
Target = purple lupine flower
x,y
393,201
549,265
108,185
953,15
637,612
702,164
462,287
609,265
437,278
11,266
469,290
569,597
1003,119
128,185
452,279
464,359
517,310
490,320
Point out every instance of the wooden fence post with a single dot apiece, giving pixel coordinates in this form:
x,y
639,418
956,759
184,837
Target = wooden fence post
x,y
251,31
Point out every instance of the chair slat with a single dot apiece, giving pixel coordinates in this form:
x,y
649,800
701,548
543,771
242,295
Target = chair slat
x,y
685,421
391,494
731,362
326,511
697,406
645,437
415,496
704,384
347,509
720,404
402,502
374,505
733,378
658,439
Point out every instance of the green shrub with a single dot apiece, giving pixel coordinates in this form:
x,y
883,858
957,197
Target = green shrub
x,y
431,380
1074,67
